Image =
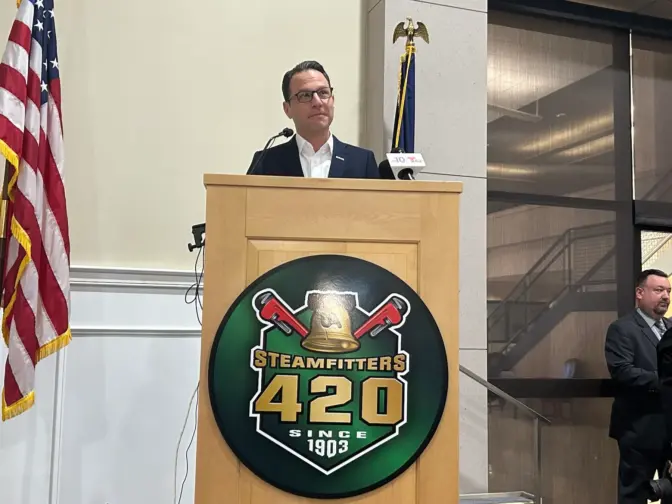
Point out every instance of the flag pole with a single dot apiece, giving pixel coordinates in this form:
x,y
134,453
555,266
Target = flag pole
x,y
410,31
401,92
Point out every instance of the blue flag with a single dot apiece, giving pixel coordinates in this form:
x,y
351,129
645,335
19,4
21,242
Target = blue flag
x,y
403,134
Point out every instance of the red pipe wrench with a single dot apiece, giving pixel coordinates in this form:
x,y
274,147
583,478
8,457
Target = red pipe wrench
x,y
272,309
390,314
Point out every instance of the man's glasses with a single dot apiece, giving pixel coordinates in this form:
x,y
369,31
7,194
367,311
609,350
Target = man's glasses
x,y
307,96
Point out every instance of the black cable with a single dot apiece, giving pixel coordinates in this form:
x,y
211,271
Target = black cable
x,y
196,286
186,453
196,299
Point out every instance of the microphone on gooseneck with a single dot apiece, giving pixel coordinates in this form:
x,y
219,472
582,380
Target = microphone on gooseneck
x,y
287,132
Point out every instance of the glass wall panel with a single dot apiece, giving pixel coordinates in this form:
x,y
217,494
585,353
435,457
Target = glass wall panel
x,y
551,291
578,459
652,127
550,108
558,275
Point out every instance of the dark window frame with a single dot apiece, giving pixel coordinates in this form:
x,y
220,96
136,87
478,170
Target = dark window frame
x,y
587,15
551,200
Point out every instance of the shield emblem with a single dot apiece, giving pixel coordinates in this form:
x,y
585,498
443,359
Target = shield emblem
x,y
329,393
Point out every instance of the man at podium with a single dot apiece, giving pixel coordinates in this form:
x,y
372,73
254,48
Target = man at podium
x,y
314,151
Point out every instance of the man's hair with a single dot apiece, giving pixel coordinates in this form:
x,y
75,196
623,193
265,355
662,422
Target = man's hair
x,y
644,275
301,67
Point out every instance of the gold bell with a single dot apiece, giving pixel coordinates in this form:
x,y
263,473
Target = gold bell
x,y
330,328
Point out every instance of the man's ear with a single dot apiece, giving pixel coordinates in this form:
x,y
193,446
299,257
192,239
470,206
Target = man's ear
x,y
287,109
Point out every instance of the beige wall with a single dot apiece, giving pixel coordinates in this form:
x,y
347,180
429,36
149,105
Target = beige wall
x,y
154,95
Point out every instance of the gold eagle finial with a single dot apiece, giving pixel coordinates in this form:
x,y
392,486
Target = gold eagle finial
x,y
410,32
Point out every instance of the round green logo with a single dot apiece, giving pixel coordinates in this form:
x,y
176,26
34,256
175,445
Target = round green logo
x,y
328,376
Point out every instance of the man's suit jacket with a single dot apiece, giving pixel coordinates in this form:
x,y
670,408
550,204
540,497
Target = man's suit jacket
x,y
665,380
632,358
347,161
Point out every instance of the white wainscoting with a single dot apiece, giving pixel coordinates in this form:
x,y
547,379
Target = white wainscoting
x,y
110,407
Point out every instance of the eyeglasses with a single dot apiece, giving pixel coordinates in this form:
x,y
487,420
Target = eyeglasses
x,y
307,96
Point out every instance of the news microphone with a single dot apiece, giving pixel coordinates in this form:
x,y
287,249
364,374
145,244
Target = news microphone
x,y
287,132
401,166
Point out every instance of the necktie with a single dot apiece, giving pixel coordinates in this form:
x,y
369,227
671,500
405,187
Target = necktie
x,y
660,325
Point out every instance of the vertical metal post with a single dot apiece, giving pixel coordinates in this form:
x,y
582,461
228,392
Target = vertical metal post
x,y
537,461
628,250
568,251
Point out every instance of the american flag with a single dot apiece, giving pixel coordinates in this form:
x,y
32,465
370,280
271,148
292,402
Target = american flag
x,y
36,291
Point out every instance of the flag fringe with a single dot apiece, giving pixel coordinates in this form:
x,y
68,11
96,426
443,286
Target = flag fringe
x,y
22,237
13,159
9,154
25,403
54,345
21,406
19,234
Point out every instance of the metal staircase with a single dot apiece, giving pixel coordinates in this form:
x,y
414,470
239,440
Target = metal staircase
x,y
577,273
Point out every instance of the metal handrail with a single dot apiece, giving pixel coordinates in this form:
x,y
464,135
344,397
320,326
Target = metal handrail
x,y
537,418
567,288
503,395
560,241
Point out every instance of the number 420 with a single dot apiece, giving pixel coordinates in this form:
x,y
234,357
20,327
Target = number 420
x,y
375,410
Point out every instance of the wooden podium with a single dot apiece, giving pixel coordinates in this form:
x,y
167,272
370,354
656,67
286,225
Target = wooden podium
x,y
255,223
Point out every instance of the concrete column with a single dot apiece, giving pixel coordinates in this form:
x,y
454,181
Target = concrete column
x,y
451,114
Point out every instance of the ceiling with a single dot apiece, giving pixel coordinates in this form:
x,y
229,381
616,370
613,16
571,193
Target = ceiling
x,y
655,8
526,65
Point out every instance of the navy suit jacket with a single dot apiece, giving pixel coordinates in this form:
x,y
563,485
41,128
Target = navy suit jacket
x,y
347,161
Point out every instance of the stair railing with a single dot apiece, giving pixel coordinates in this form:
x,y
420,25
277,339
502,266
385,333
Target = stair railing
x,y
537,421
561,253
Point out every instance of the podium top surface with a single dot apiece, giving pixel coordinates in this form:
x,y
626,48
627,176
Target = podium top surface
x,y
212,179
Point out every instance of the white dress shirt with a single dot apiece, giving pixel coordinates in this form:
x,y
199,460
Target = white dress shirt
x,y
315,164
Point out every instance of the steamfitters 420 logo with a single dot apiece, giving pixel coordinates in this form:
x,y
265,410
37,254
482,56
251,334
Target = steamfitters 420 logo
x,y
328,376
325,409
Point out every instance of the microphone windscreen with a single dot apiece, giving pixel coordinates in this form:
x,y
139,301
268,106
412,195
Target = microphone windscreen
x,y
385,170
287,132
